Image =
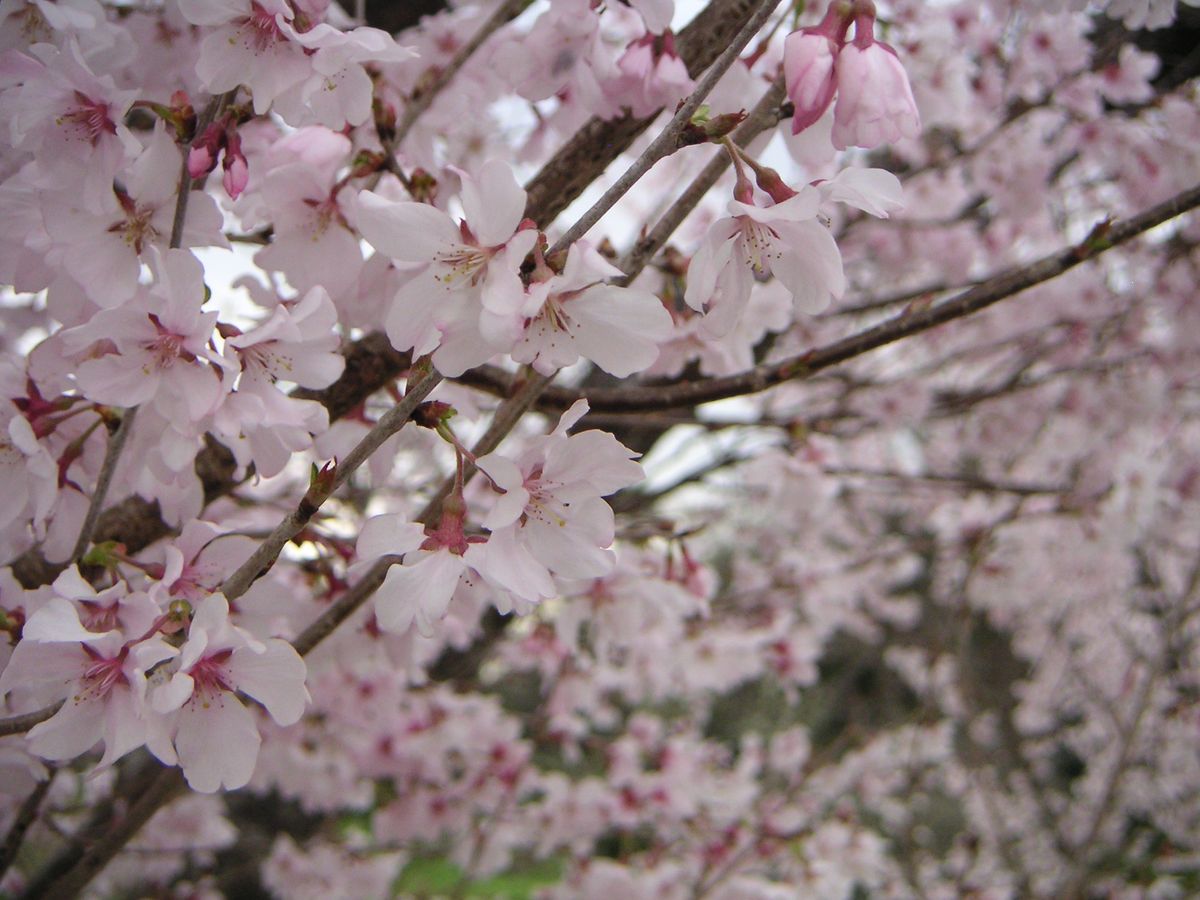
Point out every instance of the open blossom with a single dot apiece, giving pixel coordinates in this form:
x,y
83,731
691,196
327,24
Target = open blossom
x,y
338,92
71,119
100,674
578,315
462,267
550,518
155,350
419,591
297,343
652,76
784,239
28,473
312,242
104,248
564,53
247,45
208,731
787,240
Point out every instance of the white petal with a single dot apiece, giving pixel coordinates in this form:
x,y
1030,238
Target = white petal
x,y
275,678
409,232
494,203
388,534
58,620
419,592
217,743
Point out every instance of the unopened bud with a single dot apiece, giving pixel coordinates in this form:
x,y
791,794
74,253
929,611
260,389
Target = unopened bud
x,y
422,186
432,413
702,129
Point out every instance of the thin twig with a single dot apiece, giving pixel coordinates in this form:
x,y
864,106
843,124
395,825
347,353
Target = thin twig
x,y
22,723
112,455
503,421
268,551
667,141
766,114
25,818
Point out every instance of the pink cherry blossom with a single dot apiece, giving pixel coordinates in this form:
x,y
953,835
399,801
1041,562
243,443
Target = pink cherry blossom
x,y
103,249
314,244
69,118
784,239
577,315
247,45
652,76
461,266
210,734
161,351
101,675
550,515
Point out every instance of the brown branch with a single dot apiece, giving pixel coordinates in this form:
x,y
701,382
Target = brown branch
x,y
673,394
590,151
22,723
319,491
26,816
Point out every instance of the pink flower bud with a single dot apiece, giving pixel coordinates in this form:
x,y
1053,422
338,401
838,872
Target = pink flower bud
x,y
200,161
236,176
236,171
202,157
875,102
808,67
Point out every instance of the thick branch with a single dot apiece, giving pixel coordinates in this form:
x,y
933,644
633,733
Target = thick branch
x,y
590,151
667,141
673,394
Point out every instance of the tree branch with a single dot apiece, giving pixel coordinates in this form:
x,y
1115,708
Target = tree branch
x,y
266,553
678,393
667,141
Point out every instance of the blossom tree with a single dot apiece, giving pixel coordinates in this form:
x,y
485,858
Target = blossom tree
x,y
561,448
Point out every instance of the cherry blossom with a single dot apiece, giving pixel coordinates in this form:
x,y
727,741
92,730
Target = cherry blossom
x,y
247,45
576,314
161,353
461,266
784,239
210,734
550,515
103,249
101,675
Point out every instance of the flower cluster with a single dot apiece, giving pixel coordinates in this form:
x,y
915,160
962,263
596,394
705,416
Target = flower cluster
x,y
113,662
